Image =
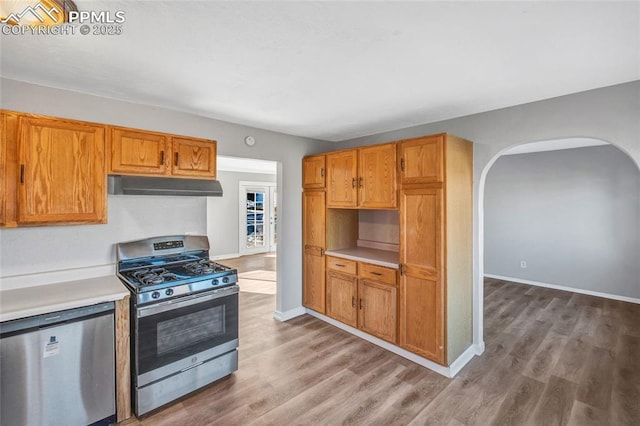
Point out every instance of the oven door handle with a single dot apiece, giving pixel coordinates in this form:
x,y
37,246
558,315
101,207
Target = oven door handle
x,y
170,305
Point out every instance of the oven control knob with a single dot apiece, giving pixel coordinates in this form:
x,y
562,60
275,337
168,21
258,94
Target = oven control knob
x,y
215,281
169,292
225,280
155,294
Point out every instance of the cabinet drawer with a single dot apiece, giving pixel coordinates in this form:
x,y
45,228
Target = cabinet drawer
x,y
342,265
377,273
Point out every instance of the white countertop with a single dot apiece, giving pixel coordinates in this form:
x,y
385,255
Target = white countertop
x,y
43,299
390,259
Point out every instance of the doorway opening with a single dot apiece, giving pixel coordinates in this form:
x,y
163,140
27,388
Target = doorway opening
x,y
581,204
243,226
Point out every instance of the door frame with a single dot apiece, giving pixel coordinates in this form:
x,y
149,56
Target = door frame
x,y
242,215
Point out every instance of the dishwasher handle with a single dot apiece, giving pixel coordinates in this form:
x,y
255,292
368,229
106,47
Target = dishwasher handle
x,y
47,320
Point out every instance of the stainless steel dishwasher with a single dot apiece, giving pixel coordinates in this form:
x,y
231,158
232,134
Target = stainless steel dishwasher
x,y
59,368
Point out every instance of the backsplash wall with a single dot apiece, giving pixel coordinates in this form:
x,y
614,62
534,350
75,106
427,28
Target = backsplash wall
x,y
41,249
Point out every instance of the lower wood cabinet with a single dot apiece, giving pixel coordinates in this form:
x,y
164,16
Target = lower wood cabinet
x,y
313,291
358,300
342,295
377,309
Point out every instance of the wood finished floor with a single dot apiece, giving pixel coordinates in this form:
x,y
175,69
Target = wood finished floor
x,y
552,358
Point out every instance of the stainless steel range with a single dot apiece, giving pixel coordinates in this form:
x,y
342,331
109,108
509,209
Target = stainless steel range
x,y
184,317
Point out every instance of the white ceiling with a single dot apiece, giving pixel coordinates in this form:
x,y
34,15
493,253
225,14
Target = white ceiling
x,y
334,70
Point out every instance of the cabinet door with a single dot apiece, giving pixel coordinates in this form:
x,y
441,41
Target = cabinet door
x,y
138,152
377,309
62,172
377,177
422,160
8,146
313,172
313,218
313,289
341,297
421,284
193,158
342,176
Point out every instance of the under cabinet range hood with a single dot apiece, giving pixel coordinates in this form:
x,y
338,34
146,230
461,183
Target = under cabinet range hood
x,y
140,185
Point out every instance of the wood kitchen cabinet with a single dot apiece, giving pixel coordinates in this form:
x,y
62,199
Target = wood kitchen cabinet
x,y
377,309
193,157
138,152
342,290
314,244
362,295
377,177
313,172
436,283
62,173
342,179
422,159
8,167
363,178
426,306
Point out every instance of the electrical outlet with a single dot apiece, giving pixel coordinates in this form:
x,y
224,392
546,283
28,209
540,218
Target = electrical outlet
x,y
523,264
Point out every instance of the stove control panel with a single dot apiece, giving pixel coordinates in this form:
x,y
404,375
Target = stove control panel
x,y
161,294
168,245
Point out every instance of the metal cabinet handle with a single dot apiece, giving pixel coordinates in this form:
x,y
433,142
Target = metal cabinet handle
x,y
401,268
353,301
340,265
360,182
361,304
402,164
376,273
175,161
22,173
353,182
162,158
322,172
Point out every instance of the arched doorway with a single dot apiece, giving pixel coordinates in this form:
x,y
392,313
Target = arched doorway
x,y
564,143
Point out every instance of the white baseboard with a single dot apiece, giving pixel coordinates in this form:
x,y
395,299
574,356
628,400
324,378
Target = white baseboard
x,y
225,256
565,288
445,371
291,313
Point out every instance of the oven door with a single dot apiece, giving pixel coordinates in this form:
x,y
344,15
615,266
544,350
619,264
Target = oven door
x,y
182,333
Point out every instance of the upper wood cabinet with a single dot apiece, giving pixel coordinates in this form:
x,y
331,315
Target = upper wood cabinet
x,y
364,178
342,179
377,177
422,160
8,167
313,172
193,157
138,152
62,173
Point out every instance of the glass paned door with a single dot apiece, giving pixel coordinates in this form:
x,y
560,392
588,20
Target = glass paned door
x,y
257,217
255,236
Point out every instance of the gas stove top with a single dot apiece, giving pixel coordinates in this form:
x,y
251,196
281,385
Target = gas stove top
x,y
173,266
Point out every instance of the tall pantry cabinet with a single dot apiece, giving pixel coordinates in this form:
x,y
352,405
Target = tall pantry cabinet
x,y
436,283
314,232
